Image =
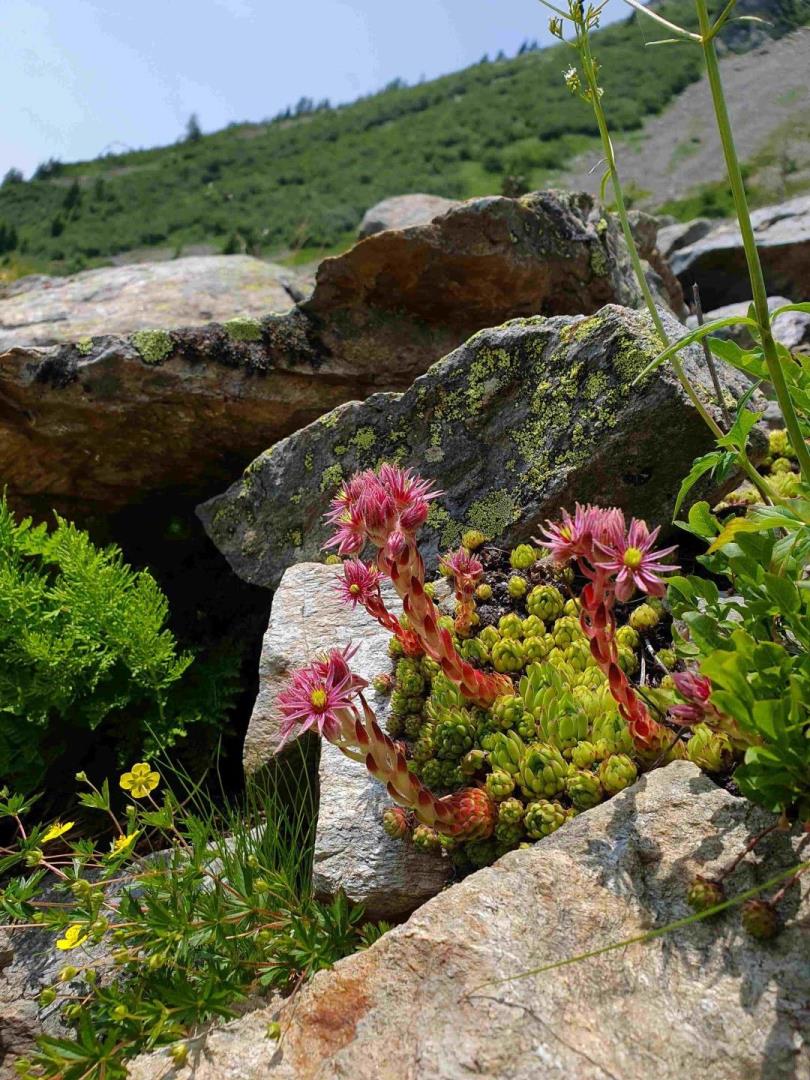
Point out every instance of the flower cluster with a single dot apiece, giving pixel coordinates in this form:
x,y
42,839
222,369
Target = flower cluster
x,y
600,540
321,696
327,696
360,584
387,509
384,508
516,765
617,560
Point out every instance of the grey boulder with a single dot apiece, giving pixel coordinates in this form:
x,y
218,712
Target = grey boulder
x,y
717,260
672,238
402,211
121,299
520,421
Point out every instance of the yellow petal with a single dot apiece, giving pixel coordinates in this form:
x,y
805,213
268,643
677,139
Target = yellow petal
x,y
56,830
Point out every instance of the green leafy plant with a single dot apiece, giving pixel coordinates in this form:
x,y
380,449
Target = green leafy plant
x,y
752,642
744,627
177,917
84,648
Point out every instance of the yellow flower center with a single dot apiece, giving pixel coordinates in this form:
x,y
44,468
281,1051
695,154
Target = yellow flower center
x,y
354,590
318,698
633,558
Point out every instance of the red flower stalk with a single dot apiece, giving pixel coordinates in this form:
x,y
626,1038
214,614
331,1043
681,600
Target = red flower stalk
x,y
617,561
324,695
388,509
361,585
466,571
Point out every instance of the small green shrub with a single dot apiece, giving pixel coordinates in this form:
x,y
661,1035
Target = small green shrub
x,y
752,641
84,649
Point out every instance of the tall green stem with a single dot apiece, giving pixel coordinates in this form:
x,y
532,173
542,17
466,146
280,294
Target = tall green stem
x,y
589,68
758,291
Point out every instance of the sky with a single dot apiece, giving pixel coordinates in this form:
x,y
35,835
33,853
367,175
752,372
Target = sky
x,y
81,77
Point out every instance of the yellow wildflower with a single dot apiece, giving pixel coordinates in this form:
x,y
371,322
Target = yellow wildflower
x,y
140,780
56,830
74,937
122,845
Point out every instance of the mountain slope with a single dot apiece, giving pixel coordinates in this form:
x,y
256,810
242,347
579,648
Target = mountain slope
x,y
304,182
675,162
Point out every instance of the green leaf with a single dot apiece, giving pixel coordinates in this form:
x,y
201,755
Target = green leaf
x,y
700,467
702,521
804,306
751,361
784,592
737,436
689,339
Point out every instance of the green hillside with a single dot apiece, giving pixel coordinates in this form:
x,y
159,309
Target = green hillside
x,y
301,183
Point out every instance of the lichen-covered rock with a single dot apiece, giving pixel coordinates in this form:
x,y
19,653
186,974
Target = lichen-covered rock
x,y
103,423
352,851
402,211
430,998
717,263
121,299
521,420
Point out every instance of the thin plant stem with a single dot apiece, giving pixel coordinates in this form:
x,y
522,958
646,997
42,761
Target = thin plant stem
x,y
749,847
594,97
649,935
707,353
758,291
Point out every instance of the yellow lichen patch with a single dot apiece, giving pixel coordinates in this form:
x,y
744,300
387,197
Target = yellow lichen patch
x,y
153,346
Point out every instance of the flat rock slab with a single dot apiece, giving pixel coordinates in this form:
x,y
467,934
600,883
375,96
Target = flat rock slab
x,y
716,261
352,851
428,1001
104,422
521,420
118,300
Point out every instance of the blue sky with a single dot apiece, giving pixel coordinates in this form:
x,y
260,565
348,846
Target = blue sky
x,y
81,76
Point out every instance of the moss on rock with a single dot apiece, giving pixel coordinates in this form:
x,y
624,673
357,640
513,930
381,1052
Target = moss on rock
x,y
243,328
153,346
